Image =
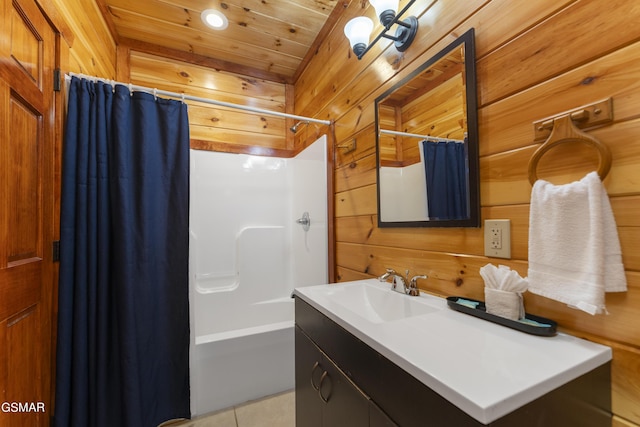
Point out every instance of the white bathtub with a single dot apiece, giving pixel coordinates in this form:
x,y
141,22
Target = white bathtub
x,y
233,367
247,253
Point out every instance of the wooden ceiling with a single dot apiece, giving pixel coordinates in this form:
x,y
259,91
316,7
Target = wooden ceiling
x,y
271,39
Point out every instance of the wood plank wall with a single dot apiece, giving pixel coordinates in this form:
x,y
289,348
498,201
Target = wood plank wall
x,y
534,59
91,49
213,127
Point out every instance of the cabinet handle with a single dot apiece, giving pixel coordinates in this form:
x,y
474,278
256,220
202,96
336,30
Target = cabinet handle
x,y
325,400
315,366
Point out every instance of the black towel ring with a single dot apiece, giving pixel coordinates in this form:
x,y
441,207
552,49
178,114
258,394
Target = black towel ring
x,y
565,131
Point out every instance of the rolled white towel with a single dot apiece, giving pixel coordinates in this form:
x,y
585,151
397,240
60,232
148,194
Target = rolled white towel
x,y
504,303
503,291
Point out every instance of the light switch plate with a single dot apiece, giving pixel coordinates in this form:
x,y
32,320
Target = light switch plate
x,y
497,238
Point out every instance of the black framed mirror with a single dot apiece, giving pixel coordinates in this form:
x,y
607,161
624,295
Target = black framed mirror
x,y
427,143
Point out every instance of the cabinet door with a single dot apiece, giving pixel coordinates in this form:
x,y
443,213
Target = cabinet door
x,y
324,395
307,375
377,418
344,404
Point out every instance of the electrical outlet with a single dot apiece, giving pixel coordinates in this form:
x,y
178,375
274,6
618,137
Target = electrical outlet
x,y
497,238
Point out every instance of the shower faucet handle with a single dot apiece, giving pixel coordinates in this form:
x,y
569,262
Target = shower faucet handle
x,y
305,221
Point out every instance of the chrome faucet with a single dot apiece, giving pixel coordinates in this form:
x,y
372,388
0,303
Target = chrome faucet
x,y
409,286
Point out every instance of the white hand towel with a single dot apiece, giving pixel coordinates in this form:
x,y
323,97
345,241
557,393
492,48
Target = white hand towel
x,y
574,250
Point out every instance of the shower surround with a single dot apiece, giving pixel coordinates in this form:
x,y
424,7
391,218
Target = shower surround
x,y
247,253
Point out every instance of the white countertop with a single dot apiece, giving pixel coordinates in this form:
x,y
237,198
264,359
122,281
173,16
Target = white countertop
x,y
486,370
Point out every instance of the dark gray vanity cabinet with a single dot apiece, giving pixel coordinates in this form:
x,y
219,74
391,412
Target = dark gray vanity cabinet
x,y
364,388
324,395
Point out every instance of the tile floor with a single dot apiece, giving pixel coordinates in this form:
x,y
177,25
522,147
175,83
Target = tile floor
x,y
273,411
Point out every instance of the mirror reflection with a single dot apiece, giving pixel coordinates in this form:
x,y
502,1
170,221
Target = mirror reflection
x,y
427,143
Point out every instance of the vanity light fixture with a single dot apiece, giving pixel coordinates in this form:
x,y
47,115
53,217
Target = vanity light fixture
x,y
358,30
215,19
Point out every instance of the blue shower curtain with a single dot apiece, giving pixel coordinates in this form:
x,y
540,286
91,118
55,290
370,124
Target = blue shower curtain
x,y
123,321
446,172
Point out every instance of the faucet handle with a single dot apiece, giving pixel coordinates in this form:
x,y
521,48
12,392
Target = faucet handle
x,y
414,280
413,285
390,272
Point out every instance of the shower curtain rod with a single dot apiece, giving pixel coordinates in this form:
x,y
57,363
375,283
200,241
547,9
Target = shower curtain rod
x,y
183,97
415,135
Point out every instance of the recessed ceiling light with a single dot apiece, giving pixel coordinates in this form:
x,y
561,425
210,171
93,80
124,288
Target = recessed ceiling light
x,y
214,19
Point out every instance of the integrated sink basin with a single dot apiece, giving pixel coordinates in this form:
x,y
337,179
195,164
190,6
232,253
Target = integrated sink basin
x,y
375,301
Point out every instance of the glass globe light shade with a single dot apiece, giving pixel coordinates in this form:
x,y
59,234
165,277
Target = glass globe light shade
x,y
358,31
385,9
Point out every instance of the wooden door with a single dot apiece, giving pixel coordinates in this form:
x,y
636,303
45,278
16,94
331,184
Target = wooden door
x,y
27,59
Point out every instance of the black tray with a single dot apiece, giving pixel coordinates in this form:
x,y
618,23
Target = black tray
x,y
547,329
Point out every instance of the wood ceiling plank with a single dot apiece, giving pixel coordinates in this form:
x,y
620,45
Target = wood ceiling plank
x,y
273,37
291,23
281,9
150,31
134,27
295,13
245,26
